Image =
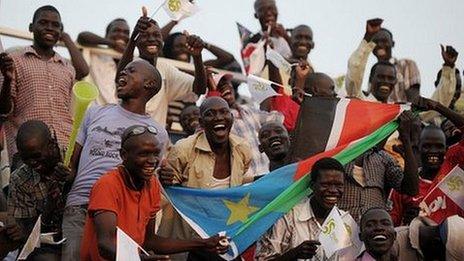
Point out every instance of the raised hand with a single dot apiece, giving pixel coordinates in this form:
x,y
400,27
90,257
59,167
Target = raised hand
x,y
372,27
142,24
449,55
302,69
194,44
6,66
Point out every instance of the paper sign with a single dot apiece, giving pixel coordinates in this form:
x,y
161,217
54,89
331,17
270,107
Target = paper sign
x,y
33,241
126,248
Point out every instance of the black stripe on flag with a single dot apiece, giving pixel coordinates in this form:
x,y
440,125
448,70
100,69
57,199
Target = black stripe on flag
x,y
314,124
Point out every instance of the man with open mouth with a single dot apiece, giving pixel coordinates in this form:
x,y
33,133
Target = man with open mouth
x,y
274,141
212,158
148,39
295,235
432,149
97,146
247,122
378,234
128,198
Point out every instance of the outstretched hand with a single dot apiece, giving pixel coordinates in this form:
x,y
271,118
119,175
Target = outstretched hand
x,y
142,24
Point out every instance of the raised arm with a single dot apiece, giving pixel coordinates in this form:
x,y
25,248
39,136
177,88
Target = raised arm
x,y
358,60
222,56
78,61
445,91
195,46
91,39
166,30
410,182
7,69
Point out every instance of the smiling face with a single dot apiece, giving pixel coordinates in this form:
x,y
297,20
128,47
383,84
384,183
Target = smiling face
x,y
266,12
141,155
384,44
226,89
377,232
432,148
216,119
328,188
36,152
179,49
190,119
118,31
301,42
150,42
274,141
47,28
383,80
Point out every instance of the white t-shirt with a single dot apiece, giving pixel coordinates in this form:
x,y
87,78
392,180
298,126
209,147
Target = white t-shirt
x,y
175,84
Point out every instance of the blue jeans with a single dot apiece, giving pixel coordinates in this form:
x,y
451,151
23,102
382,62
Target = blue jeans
x,y
73,230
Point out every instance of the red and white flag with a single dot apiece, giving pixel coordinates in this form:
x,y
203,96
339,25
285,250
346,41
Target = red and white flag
x,y
446,198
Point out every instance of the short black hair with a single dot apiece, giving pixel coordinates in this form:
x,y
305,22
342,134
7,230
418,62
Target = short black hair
x,y
388,31
168,44
108,27
43,9
369,210
32,129
325,164
380,63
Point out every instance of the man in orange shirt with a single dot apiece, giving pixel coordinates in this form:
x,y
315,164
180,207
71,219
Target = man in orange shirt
x,y
129,197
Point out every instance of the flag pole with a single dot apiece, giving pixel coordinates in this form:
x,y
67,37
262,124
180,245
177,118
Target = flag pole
x,y
158,8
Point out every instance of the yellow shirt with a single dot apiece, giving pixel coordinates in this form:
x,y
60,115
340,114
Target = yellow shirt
x,y
193,161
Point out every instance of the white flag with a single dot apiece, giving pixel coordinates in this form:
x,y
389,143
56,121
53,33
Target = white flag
x,y
126,248
351,252
260,88
257,59
334,235
33,241
179,9
278,60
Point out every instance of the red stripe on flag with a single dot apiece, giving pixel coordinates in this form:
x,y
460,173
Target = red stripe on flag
x,y
304,167
362,119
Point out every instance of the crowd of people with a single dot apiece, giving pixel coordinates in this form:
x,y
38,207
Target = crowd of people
x,y
155,126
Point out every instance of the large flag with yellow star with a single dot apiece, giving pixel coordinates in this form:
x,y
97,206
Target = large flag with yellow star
x,y
245,213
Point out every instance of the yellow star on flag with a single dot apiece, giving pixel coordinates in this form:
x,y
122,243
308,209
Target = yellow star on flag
x,y
239,211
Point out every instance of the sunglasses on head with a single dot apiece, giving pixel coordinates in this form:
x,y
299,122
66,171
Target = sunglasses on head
x,y
138,131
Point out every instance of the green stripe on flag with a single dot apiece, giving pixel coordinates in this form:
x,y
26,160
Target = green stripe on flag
x,y
300,189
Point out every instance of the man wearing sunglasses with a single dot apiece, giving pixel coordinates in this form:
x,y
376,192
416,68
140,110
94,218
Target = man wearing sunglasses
x,y
99,141
128,197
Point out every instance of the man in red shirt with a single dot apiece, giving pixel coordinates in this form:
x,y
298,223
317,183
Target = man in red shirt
x,y
436,163
129,197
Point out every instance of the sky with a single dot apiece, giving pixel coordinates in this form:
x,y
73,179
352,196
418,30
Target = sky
x,y
418,26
